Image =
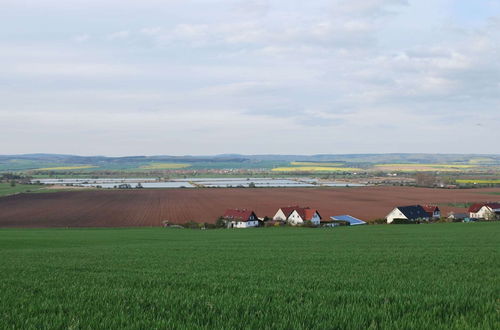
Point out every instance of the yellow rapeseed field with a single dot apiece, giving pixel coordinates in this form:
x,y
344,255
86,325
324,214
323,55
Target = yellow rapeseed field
x,y
424,167
316,164
427,165
62,168
478,181
164,166
480,160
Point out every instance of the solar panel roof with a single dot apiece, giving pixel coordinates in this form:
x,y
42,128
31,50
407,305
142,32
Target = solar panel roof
x,y
352,220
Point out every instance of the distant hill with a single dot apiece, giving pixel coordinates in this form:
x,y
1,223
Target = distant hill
x,y
41,161
372,158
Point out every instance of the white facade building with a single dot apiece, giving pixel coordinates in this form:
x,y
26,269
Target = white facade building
x,y
488,211
244,224
296,215
411,213
243,218
280,216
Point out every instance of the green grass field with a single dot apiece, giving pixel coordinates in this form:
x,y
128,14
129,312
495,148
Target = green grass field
x,y
396,277
6,189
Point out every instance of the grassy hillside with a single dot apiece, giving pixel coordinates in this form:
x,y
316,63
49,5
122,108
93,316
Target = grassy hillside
x,y
400,277
6,189
61,164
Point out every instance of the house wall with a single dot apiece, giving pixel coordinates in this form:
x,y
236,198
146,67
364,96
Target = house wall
x,y
395,214
245,224
295,218
474,215
484,212
316,219
279,216
479,214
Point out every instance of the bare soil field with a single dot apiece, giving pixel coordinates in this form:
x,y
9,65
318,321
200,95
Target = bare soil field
x,y
149,207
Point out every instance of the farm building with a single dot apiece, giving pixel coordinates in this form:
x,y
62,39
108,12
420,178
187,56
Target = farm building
x,y
487,211
411,213
433,211
458,216
296,215
241,218
350,220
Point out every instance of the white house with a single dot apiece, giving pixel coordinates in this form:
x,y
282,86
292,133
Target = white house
x,y
487,211
412,213
243,218
296,215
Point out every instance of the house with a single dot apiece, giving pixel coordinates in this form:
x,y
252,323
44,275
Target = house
x,y
296,215
433,211
487,211
411,213
241,218
351,221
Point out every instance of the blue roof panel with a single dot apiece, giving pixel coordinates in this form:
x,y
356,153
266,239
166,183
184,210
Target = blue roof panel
x,y
352,220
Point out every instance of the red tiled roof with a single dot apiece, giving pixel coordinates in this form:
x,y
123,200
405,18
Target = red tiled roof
x,y
287,210
305,213
475,207
239,214
430,208
310,213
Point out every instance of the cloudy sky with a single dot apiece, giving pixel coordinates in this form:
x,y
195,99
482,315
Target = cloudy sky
x,y
144,77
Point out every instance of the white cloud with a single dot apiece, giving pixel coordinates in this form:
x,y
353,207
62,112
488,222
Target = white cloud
x,y
327,70
119,35
81,38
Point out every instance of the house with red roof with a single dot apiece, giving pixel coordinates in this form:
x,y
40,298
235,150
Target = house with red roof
x,y
296,215
486,211
433,211
241,218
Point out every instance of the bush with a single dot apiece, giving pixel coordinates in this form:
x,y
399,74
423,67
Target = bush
x,y
404,222
309,224
379,221
220,223
210,226
272,223
191,225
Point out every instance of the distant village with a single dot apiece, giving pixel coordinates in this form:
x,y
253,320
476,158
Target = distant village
x,y
306,216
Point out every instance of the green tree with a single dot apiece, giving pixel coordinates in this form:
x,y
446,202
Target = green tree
x,y
220,223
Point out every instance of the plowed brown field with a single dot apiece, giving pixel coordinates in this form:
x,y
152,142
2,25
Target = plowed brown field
x,y
149,207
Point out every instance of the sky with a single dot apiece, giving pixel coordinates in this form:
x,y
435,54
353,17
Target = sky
x,y
202,77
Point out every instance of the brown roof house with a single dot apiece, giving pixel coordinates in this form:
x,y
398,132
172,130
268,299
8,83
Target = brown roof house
x,y
296,215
